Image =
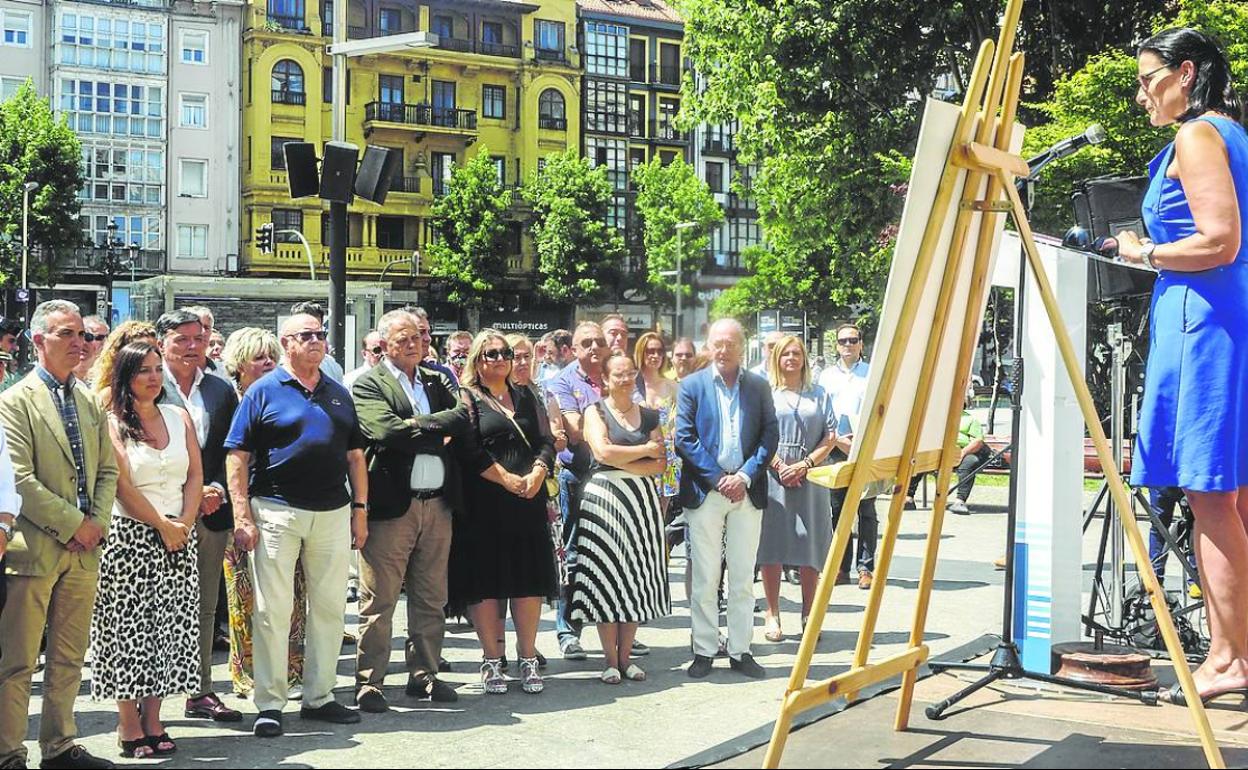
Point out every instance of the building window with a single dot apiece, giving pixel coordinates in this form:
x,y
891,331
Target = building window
x,y
287,83
390,233
193,110
327,19
193,178
277,157
119,109
606,106
606,49
552,111
440,168
327,85
492,32
389,21
444,103
550,38
637,115
390,89
494,102
114,44
141,231
287,219
287,13
637,61
669,64
443,26
193,241
194,46
500,169
17,29
121,174
610,153
10,86
715,177
666,128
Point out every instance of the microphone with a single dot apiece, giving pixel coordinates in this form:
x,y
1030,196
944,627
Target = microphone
x,y
1094,135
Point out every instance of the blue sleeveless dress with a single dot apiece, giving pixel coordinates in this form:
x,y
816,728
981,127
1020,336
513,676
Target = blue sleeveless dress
x,y
1194,419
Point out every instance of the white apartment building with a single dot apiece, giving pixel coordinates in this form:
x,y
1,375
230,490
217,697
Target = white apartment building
x,y
151,87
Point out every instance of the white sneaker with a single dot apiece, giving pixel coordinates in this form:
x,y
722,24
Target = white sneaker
x,y
958,506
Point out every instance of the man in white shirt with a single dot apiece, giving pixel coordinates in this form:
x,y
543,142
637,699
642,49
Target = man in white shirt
x,y
845,381
373,349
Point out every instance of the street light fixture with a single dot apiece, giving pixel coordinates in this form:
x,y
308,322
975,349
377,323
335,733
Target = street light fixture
x,y
111,260
340,50
27,189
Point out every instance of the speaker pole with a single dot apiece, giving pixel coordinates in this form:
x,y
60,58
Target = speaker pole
x,y
338,280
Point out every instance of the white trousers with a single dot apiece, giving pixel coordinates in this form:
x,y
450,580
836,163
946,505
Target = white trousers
x,y
323,540
736,527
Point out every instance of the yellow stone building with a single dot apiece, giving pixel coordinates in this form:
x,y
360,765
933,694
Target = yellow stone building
x,y
504,78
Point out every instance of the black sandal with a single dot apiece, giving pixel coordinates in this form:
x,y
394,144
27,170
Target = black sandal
x,y
155,741
140,748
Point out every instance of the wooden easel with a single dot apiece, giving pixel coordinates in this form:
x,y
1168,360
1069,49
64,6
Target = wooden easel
x,y
980,152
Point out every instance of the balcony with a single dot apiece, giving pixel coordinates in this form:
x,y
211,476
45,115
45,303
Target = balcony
x,y
718,145
739,203
90,260
454,44
666,132
552,124
498,49
291,23
728,265
441,187
452,119
551,55
298,98
665,74
637,72
406,184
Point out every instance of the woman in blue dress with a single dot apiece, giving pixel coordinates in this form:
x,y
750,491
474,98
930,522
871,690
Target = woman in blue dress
x,y
1194,422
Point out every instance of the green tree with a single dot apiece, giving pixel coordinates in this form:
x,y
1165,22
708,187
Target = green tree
x,y
471,219
37,147
666,196
578,253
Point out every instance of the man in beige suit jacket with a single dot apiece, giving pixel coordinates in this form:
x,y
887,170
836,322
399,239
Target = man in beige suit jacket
x,y
67,477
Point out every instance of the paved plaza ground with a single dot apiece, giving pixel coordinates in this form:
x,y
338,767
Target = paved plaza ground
x,y
580,722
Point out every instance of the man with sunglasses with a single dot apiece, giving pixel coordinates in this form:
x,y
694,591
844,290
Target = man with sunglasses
x,y
294,444
97,332
575,389
845,381
372,350
457,346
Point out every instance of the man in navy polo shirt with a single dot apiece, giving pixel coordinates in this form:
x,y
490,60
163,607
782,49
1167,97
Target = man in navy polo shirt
x,y
294,443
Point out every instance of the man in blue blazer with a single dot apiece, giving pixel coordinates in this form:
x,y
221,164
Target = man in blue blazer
x,y
726,434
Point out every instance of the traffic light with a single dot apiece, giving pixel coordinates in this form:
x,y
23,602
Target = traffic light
x,y
264,238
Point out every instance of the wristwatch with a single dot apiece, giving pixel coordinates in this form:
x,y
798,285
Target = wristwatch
x,y
359,506
7,529
1147,247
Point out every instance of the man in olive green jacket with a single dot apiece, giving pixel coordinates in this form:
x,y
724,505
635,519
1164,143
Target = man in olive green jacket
x,y
67,477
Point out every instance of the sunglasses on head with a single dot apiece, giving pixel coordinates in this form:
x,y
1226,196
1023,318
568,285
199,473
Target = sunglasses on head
x,y
849,340
590,342
499,354
319,335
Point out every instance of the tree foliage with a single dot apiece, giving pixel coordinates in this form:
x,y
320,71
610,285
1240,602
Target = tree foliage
x,y
470,253
828,93
666,196
37,147
578,253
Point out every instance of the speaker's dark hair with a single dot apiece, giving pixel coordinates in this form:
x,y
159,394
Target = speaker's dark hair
x,y
1214,88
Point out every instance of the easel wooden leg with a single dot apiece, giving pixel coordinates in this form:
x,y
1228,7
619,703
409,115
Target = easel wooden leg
x,y
1117,487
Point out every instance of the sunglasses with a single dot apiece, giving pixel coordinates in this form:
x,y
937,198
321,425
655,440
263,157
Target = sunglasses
x,y
320,336
499,354
376,350
1147,77
849,341
590,342
89,337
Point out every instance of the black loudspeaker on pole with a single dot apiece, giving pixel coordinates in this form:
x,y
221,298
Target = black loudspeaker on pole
x,y
377,169
301,171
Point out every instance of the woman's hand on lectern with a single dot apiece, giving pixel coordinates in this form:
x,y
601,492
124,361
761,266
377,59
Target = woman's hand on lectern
x,y
1129,246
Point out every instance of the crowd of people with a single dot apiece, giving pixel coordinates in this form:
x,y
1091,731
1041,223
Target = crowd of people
x,y
156,477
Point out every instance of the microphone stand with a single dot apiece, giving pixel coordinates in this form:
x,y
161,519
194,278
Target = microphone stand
x,y
1006,663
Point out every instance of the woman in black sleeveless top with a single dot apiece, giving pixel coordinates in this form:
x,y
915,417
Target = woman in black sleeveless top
x,y
620,576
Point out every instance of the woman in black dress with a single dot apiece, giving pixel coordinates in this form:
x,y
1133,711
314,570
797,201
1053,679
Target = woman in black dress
x,y
501,549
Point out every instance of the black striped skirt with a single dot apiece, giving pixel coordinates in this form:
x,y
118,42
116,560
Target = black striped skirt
x,y
620,572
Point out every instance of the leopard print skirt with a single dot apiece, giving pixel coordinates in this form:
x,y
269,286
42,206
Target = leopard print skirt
x,y
145,626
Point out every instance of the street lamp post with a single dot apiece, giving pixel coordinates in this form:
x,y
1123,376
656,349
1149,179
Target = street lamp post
x,y
340,50
27,189
680,248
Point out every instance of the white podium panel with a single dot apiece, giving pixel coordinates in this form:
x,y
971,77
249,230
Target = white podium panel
x,y
1049,461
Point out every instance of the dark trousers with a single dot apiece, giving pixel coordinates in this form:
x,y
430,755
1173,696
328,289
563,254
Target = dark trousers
x,y
868,532
569,499
965,471
3,582
1164,501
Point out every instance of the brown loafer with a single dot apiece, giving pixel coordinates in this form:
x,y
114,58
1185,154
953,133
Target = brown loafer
x,y
210,707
